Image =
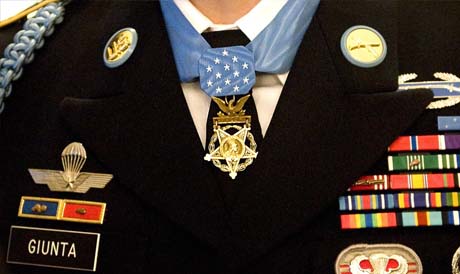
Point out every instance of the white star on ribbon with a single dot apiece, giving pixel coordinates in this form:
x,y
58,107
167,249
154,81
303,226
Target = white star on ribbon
x,y
226,71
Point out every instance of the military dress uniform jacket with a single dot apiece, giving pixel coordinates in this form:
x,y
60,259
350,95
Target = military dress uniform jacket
x,y
165,210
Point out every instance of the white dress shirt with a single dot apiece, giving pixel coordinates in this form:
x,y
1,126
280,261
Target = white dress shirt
x,y
268,87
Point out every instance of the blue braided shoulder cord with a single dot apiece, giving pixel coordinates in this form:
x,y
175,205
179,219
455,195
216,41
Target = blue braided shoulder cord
x,y
25,42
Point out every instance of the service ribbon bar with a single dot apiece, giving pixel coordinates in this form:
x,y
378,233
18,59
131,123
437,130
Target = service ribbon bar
x,y
399,201
62,210
423,162
425,143
407,182
448,123
400,219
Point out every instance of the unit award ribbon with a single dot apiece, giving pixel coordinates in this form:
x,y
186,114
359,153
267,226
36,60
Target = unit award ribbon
x,y
236,146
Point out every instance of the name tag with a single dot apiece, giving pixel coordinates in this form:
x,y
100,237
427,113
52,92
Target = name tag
x,y
53,248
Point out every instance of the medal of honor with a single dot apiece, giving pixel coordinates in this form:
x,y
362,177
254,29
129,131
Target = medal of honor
x,y
232,146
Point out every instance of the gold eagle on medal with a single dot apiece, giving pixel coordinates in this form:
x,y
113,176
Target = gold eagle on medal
x,y
229,107
73,159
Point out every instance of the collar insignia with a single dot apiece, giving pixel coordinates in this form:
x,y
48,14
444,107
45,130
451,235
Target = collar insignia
x,y
363,46
71,179
120,47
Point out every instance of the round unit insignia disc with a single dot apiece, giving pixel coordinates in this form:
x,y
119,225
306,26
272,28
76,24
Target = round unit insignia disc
x,y
363,46
120,47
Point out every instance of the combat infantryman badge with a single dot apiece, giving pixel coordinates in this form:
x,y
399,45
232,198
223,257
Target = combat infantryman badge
x,y
446,91
378,258
71,179
232,132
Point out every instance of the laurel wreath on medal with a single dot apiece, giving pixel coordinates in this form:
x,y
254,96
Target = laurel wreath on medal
x,y
224,166
235,150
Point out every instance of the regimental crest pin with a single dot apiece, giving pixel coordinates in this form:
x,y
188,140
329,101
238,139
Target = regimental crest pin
x,y
232,147
378,258
71,179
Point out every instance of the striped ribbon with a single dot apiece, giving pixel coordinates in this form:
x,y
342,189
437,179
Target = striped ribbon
x,y
407,182
399,201
423,162
425,143
400,219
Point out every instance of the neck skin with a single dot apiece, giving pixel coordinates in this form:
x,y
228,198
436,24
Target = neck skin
x,y
224,11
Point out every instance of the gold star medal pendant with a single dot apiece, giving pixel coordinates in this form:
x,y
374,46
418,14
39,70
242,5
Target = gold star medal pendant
x,y
232,147
225,73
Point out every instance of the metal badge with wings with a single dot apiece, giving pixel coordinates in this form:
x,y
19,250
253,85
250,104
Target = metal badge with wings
x,y
71,179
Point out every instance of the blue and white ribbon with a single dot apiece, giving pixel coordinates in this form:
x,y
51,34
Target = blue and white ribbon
x,y
273,49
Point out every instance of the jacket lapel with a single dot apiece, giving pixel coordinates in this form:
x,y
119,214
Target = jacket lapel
x,y
146,136
322,137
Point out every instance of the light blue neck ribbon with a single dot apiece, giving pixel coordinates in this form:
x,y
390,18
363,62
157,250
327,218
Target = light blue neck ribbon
x,y
274,48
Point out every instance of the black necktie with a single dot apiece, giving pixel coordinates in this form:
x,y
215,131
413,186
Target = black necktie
x,y
227,39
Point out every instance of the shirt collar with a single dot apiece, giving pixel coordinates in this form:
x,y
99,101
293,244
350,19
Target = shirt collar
x,y
250,24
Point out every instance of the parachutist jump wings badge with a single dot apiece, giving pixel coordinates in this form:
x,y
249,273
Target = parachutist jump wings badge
x,y
71,179
237,147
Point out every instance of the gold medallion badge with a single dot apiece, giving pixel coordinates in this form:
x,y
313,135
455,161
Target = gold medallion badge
x,y
236,147
363,46
120,47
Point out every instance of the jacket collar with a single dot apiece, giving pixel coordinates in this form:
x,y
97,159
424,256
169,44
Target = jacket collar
x,y
320,139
